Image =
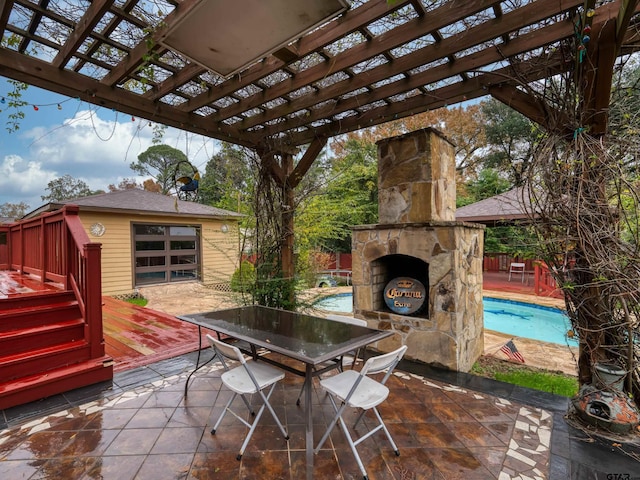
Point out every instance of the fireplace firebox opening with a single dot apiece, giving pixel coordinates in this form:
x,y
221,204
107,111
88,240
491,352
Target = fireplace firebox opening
x,y
390,267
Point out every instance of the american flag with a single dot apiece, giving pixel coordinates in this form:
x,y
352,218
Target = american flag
x,y
510,350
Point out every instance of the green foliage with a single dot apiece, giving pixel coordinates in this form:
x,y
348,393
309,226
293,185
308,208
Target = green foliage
x,y
488,184
140,301
15,103
227,181
511,138
350,198
547,382
244,278
159,162
517,241
66,188
271,289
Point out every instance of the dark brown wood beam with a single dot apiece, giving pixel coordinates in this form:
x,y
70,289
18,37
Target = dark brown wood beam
x,y
627,10
103,36
301,169
597,68
532,107
172,82
33,25
137,55
276,171
445,47
81,31
41,74
5,11
449,13
532,40
338,28
449,95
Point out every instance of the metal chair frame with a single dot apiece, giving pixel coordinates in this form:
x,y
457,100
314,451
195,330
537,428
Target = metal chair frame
x,y
358,390
248,378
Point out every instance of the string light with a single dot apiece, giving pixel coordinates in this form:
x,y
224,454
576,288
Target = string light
x,y
37,108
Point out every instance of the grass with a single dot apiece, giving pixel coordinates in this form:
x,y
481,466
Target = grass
x,y
140,301
524,376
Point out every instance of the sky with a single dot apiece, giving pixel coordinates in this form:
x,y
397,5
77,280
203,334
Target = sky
x,y
61,135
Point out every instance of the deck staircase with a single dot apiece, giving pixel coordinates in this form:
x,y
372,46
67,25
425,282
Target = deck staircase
x,y
44,349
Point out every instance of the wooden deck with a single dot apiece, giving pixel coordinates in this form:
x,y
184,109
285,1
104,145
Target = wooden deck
x,y
137,336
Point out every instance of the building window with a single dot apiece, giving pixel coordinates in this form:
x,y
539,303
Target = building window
x,y
166,253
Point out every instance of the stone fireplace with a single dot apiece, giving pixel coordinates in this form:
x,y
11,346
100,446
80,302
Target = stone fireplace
x,y
419,272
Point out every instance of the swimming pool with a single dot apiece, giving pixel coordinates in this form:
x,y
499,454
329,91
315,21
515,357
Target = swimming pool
x,y
519,319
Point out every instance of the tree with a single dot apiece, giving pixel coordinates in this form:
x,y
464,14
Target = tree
x,y
65,188
510,141
227,178
349,198
488,184
150,185
160,162
125,184
13,210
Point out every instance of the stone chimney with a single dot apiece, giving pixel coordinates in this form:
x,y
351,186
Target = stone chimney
x,y
419,243
416,178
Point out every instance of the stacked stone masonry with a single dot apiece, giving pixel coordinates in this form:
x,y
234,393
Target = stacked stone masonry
x,y
417,230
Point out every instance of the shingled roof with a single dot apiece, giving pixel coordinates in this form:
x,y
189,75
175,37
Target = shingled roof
x,y
138,202
503,208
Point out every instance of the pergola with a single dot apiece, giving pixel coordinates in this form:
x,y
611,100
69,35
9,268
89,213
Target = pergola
x,y
233,73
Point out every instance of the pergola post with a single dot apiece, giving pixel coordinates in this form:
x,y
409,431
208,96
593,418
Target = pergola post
x,y
287,259
287,176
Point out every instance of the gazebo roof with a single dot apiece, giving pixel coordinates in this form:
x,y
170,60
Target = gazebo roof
x,y
376,61
508,207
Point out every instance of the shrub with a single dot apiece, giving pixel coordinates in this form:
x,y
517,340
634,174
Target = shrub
x,y
244,278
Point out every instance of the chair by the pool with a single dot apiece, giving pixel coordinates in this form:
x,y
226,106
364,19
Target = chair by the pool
x,y
351,357
357,390
517,268
247,378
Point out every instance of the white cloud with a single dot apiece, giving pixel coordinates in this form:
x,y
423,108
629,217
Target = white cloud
x,y
88,147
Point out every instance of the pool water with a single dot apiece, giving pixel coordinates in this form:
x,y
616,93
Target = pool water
x,y
519,319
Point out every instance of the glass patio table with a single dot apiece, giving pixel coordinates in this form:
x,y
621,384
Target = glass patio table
x,y
306,338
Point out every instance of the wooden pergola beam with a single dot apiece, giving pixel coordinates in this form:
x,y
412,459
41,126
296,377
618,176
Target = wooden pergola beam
x,y
441,17
328,34
300,170
85,26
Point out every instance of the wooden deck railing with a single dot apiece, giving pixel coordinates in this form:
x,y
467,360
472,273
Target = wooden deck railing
x,y
544,282
55,248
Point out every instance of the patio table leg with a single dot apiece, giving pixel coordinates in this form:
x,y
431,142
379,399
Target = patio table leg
x,y
308,378
198,366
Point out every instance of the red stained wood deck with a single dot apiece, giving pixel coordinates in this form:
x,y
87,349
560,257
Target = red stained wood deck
x,y
137,336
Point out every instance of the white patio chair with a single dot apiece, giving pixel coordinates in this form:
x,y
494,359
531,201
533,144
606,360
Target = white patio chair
x,y
350,358
517,268
358,390
248,378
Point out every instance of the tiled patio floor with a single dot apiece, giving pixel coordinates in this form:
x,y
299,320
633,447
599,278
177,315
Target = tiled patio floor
x,y
447,426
